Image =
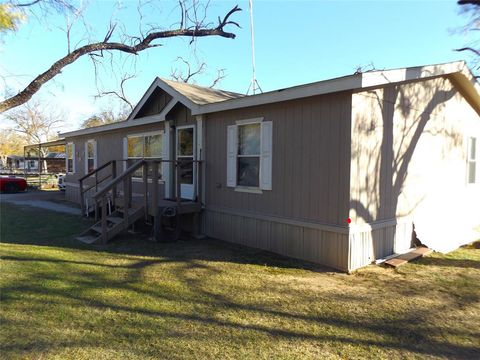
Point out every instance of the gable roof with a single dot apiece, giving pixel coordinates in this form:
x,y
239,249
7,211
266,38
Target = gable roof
x,y
201,95
192,96
202,100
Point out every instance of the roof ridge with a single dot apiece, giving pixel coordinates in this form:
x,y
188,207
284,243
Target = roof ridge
x,y
181,83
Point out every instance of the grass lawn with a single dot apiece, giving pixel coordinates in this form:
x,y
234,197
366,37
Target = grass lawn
x,y
207,299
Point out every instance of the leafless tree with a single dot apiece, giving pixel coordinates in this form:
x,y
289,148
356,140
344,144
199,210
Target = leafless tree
x,y
106,116
36,122
471,9
193,24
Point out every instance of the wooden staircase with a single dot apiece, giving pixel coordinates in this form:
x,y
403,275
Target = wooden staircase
x,y
116,223
117,210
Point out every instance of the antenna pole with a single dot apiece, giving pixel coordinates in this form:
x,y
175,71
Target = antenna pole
x,y
254,84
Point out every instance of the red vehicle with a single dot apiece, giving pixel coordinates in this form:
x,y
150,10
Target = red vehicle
x,y
12,184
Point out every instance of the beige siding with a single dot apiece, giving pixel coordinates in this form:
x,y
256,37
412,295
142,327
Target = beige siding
x,y
301,242
310,170
409,160
109,147
310,182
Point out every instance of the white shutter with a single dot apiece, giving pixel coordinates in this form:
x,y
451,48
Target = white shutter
x,y
86,157
266,156
232,155
166,156
125,153
74,158
95,154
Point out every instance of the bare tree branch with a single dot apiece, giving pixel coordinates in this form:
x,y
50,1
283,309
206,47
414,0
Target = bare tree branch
x,y
475,51
220,76
178,75
138,46
468,2
28,4
119,94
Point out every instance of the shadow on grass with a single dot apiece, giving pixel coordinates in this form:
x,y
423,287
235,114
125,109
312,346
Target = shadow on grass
x,y
139,291
412,331
30,226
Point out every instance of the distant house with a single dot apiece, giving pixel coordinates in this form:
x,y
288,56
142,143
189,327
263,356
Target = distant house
x,y
338,172
53,162
18,163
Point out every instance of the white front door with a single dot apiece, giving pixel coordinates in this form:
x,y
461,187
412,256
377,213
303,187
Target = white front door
x,y
185,150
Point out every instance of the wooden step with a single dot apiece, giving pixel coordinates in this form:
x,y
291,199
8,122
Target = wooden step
x,y
88,239
409,256
114,219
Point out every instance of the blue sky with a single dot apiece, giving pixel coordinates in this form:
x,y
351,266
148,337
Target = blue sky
x,y
296,42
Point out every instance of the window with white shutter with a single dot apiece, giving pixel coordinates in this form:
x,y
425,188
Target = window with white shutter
x,y
249,155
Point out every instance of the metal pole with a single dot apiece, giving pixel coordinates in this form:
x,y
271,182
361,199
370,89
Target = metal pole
x,y
24,165
39,167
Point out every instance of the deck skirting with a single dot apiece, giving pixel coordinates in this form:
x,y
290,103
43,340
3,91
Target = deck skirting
x,y
296,239
335,246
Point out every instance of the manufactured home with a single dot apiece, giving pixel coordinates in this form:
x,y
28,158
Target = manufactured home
x,y
339,172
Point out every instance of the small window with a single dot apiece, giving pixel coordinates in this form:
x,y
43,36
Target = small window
x,y
90,156
471,160
248,156
70,157
144,147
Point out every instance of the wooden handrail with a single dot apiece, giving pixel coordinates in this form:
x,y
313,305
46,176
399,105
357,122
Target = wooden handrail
x,y
96,170
94,185
131,170
118,179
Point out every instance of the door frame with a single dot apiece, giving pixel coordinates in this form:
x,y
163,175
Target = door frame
x,y
187,191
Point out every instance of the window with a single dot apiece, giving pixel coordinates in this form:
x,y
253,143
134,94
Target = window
x,y
90,156
70,158
185,152
144,146
249,158
248,155
471,160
